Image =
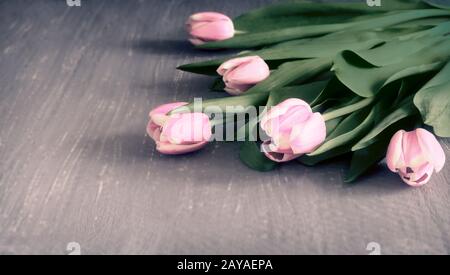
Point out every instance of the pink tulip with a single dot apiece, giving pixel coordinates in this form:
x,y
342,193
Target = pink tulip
x,y
414,156
178,133
293,129
209,26
240,74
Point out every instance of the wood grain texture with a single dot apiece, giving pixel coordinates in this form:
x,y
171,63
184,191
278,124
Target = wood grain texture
x,y
75,165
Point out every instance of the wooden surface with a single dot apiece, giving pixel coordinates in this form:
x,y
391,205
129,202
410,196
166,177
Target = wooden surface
x,y
75,165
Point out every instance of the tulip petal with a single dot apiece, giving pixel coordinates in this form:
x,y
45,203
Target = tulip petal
x,y
309,135
233,63
285,121
196,41
177,149
276,156
250,72
280,142
207,16
279,110
412,152
159,114
431,148
424,180
394,155
187,128
236,89
212,31
280,157
209,26
419,177
419,172
154,131
282,126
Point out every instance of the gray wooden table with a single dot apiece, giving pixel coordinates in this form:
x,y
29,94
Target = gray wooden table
x,y
76,166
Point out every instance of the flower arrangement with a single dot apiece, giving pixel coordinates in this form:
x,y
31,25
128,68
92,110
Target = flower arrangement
x,y
318,81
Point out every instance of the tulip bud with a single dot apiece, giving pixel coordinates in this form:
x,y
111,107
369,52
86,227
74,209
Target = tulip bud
x,y
178,133
240,74
293,129
209,26
415,156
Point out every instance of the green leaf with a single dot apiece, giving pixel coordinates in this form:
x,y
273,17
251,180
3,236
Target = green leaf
x,y
218,85
251,155
406,109
403,46
298,71
440,6
353,106
303,13
350,129
313,160
210,67
426,22
363,160
307,92
326,46
405,89
433,102
332,124
335,90
333,153
361,40
371,154
372,79
251,40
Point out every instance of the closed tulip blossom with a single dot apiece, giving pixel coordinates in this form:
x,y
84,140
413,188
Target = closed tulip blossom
x,y
178,133
209,26
242,73
415,156
294,130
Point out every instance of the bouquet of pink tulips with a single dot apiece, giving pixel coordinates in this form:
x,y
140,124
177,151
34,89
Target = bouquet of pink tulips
x,y
318,81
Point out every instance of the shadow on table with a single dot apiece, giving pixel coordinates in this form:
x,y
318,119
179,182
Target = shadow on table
x,y
168,47
126,147
379,178
330,177
185,87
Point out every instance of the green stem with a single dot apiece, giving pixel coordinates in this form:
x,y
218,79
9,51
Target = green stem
x,y
348,109
222,104
237,32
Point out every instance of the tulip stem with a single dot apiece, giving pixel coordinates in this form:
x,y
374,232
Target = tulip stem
x,y
239,32
348,109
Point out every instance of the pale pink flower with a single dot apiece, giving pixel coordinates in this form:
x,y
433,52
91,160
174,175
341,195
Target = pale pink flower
x,y
294,130
415,156
242,73
178,133
209,26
